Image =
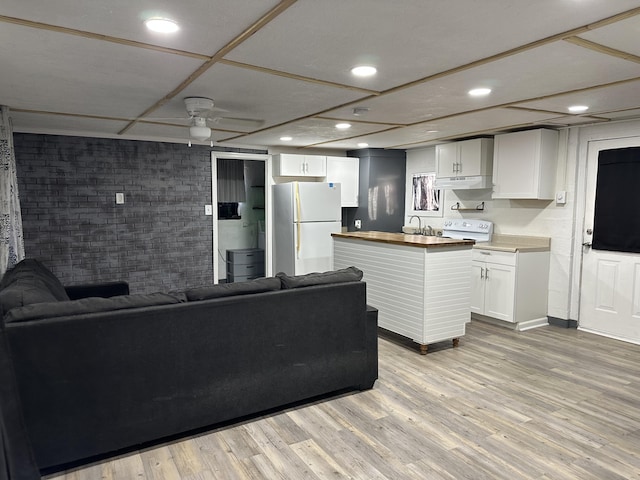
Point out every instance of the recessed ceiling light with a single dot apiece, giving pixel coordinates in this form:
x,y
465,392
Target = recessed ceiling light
x,y
364,71
343,126
432,131
161,25
479,92
286,139
578,108
363,144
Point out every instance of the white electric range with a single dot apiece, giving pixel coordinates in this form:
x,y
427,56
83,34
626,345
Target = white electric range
x,y
468,229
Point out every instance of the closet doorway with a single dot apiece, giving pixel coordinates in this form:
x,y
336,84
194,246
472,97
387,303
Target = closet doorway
x,y
241,217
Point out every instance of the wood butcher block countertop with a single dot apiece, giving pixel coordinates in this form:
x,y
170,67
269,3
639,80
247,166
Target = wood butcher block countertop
x,y
405,239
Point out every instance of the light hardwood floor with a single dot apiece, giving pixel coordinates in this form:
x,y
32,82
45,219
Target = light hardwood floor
x,y
549,403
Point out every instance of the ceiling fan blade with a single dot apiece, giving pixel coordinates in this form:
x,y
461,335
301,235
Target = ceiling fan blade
x,y
238,122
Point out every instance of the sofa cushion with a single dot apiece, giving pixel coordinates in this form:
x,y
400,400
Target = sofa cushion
x,y
30,268
258,285
24,291
349,274
88,305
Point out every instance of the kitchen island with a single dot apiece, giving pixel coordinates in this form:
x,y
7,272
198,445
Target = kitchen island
x,y
421,285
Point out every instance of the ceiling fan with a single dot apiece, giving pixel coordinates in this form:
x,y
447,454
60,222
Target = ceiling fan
x,y
202,112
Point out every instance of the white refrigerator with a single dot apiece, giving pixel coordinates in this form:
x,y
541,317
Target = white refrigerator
x,y
305,215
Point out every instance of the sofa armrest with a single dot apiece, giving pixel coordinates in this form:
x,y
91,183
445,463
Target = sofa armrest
x,y
108,289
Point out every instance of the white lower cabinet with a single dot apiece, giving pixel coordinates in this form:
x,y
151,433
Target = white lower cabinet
x,y
510,286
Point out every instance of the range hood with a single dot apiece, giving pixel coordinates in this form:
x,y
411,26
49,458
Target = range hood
x,y
464,183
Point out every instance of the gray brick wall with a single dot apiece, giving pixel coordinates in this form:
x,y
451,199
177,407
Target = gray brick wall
x,y
159,240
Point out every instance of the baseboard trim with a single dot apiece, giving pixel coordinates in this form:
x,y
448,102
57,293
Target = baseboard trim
x,y
562,323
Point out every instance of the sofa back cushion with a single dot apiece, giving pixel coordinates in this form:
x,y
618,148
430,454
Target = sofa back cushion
x,y
258,285
30,268
349,274
83,306
27,283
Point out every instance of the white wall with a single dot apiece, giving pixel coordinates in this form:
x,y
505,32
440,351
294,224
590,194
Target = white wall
x,y
563,223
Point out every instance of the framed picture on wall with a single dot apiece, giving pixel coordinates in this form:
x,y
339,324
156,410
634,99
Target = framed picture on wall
x,y
426,200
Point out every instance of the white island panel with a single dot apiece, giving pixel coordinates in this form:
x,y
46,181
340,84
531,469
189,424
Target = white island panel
x,y
421,293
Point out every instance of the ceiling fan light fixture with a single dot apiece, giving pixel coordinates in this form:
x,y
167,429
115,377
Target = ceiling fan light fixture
x,y
199,133
161,25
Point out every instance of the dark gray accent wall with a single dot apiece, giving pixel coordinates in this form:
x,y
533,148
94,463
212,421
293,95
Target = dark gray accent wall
x,y
382,190
159,240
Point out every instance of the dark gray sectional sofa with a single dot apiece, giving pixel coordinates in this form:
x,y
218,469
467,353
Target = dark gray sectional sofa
x,y
89,371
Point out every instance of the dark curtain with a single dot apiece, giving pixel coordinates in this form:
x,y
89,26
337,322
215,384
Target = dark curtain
x,y
231,181
616,223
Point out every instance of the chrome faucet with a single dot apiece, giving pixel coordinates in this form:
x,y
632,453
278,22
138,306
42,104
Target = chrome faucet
x,y
419,222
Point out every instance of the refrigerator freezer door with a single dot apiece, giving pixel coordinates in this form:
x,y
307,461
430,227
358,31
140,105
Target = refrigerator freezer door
x,y
319,202
316,247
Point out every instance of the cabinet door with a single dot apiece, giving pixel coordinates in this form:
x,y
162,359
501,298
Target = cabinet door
x,y
470,162
477,287
315,165
290,165
345,171
499,296
524,164
446,160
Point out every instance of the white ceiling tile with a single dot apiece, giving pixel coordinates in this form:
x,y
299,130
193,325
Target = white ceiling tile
x,y
51,71
205,25
622,36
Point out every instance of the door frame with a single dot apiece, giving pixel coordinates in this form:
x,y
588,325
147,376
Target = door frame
x,y
579,140
268,217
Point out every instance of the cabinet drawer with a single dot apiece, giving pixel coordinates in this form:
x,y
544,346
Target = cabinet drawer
x,y
494,256
245,269
245,256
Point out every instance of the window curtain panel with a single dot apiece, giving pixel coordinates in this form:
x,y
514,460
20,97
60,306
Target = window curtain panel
x,y
616,223
231,181
11,241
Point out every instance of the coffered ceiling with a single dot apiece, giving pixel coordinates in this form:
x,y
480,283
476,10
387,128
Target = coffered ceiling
x,y
91,68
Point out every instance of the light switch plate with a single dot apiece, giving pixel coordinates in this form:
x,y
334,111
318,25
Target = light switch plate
x,y
208,210
119,198
561,197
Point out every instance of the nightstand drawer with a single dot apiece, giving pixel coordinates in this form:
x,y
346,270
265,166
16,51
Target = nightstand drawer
x,y
243,269
245,256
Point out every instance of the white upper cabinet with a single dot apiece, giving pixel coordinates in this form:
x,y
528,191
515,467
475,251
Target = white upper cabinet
x,y
467,158
294,165
524,164
346,172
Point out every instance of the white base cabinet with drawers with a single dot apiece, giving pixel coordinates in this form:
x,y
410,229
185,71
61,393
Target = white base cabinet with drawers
x,y
510,287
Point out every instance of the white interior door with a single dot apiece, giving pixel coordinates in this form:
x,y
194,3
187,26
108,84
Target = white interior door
x,y
610,286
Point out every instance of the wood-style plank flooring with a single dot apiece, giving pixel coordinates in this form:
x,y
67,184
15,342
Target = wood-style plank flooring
x,y
550,403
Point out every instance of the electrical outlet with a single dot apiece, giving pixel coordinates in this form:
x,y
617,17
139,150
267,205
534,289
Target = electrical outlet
x,y
119,198
358,224
208,210
561,197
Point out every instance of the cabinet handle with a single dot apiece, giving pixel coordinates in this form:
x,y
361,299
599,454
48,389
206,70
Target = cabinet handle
x,y
481,273
486,274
